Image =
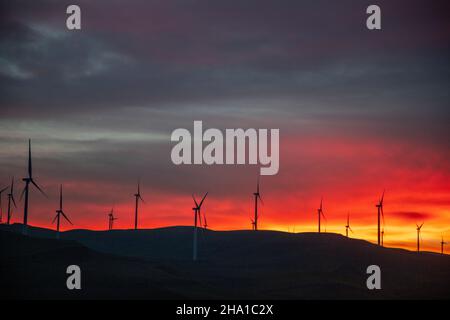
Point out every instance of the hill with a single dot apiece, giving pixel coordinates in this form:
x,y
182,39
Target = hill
x,y
157,263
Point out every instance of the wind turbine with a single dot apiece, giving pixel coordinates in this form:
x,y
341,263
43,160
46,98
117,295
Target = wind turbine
x,y
25,191
205,223
257,196
197,220
347,227
60,212
418,236
442,245
320,212
111,219
382,237
11,198
138,197
253,223
1,207
380,213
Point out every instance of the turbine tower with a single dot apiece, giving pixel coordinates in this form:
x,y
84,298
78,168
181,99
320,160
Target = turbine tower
x,y
60,212
1,207
197,221
25,191
418,236
138,197
442,245
11,198
380,214
257,196
347,227
320,212
111,219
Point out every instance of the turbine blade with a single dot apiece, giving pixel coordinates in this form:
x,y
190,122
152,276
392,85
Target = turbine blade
x,y
12,185
60,197
14,201
260,199
195,201
257,186
54,219
203,199
35,184
141,199
30,170
21,194
5,188
64,215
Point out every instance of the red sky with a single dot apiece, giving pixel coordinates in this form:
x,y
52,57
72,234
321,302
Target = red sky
x,y
350,172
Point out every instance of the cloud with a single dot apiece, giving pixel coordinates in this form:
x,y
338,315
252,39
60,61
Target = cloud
x,y
412,216
316,56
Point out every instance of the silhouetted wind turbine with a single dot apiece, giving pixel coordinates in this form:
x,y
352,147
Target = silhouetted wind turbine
x,y
138,197
197,220
418,236
320,212
380,213
111,219
347,227
442,245
257,196
205,223
253,223
1,207
382,237
25,191
11,198
60,212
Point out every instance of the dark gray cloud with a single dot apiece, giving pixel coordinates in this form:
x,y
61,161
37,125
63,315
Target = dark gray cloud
x,y
157,55
102,102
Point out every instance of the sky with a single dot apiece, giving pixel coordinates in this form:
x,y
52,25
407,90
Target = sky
x,y
358,111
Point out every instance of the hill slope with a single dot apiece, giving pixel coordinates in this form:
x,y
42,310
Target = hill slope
x,y
232,264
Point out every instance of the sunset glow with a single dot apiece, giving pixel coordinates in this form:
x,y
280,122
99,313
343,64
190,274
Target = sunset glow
x,y
350,176
358,112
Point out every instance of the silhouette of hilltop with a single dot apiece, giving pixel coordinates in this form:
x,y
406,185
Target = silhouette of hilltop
x,y
232,264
